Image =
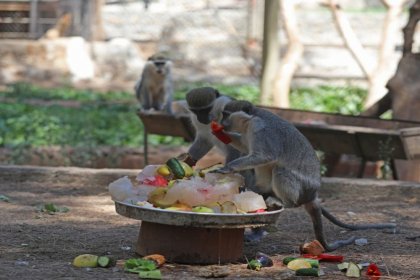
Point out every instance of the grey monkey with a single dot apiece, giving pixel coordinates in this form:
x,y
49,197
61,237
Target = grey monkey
x,y
206,104
155,88
284,161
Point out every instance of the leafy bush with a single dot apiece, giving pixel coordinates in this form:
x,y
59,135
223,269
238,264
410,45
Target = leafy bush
x,y
243,92
27,91
87,125
109,119
343,100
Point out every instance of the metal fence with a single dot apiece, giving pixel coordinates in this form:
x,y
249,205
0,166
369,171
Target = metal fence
x,y
31,19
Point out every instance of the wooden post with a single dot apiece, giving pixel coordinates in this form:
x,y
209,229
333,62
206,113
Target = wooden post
x,y
145,146
97,30
33,21
289,62
270,49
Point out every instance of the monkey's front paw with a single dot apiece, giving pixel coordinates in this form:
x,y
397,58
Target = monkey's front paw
x,y
223,170
186,157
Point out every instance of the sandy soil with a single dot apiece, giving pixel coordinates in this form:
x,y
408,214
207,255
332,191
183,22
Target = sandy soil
x,y
36,245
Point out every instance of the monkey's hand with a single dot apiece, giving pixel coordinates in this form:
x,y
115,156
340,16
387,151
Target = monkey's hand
x,y
224,170
186,157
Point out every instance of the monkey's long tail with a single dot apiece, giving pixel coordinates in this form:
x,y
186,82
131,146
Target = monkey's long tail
x,y
334,220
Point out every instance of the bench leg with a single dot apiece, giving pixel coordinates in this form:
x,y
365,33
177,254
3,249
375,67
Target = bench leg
x,y
145,147
394,170
361,168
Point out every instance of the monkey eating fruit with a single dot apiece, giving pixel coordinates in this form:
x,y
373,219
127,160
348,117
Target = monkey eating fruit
x,y
284,162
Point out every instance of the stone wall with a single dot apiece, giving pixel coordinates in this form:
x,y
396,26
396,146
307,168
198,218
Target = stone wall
x,y
112,64
205,39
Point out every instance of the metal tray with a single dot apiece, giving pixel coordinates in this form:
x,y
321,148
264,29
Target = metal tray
x,y
191,219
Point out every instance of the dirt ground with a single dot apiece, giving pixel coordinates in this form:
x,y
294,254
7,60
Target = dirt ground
x,y
36,245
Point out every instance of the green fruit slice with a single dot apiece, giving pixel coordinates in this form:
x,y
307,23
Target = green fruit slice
x,y
86,260
176,168
104,261
202,209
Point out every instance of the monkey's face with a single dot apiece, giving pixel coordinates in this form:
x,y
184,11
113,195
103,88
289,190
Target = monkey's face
x,y
235,121
161,66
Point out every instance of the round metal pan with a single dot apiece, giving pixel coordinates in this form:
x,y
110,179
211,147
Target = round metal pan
x,y
192,219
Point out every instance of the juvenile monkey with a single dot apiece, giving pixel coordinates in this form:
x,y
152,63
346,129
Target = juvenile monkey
x,y
284,161
155,88
206,104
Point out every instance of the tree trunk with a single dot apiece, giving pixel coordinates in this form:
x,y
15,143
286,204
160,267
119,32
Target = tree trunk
x,y
289,62
270,49
410,28
97,25
350,38
384,69
254,22
404,91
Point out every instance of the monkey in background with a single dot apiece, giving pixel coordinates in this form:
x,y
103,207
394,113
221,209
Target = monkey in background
x,y
61,27
155,88
284,161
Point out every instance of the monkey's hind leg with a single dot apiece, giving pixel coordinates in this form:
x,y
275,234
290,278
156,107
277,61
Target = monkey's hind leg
x,y
315,211
255,234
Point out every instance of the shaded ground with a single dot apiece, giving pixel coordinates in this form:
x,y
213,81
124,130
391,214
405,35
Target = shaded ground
x,y
36,245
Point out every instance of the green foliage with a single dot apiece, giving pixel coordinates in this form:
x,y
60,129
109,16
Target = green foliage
x,y
242,92
343,100
4,198
136,265
385,151
52,209
109,119
28,91
87,125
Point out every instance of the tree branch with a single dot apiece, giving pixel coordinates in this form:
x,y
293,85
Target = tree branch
x,y
350,38
289,62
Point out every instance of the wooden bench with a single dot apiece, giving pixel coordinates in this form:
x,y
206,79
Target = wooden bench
x,y
330,133
164,124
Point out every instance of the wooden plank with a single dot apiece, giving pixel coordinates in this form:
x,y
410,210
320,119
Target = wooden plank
x,y
379,146
163,124
302,116
11,20
329,139
411,141
23,34
33,26
14,7
331,133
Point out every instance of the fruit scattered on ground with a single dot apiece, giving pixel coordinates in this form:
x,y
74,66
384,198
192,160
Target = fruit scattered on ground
x,y
86,260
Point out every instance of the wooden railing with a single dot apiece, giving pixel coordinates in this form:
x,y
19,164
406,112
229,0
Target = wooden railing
x,y
331,133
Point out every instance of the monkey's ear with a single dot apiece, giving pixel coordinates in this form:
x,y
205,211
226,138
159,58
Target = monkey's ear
x,y
248,108
260,124
217,93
